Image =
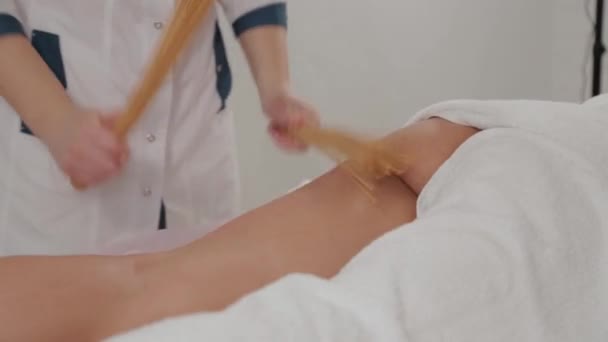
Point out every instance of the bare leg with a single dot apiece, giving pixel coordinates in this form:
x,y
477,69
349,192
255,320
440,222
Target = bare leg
x,y
316,229
60,298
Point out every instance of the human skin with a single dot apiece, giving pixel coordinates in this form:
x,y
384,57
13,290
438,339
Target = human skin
x,y
316,229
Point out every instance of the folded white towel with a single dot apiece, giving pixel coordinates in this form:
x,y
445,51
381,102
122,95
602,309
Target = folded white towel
x,y
510,245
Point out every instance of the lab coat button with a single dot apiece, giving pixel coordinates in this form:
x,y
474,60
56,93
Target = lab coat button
x,y
147,192
158,25
151,138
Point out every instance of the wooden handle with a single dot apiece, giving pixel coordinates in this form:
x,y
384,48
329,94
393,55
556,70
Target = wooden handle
x,y
187,17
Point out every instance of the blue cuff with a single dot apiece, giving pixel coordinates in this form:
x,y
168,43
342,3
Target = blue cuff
x,y
275,15
10,25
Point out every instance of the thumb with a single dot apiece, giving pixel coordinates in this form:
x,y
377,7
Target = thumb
x,y
110,121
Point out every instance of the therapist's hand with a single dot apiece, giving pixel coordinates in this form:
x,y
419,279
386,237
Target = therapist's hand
x,y
87,150
286,111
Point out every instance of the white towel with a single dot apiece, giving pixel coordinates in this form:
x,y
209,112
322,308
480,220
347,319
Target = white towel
x,y
510,245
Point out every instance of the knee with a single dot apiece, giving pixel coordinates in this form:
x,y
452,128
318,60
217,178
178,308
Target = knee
x,y
428,144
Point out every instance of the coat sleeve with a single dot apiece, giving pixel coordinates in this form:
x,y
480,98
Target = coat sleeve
x,y
248,14
10,18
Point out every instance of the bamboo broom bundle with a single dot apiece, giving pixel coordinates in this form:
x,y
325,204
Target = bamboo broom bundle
x,y
366,160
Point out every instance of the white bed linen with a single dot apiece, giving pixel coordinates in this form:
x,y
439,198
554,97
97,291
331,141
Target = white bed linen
x,y
510,245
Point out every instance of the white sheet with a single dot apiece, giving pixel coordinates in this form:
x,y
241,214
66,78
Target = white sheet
x,y
510,245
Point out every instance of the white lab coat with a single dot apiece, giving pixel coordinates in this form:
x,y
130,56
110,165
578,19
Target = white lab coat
x,y
182,150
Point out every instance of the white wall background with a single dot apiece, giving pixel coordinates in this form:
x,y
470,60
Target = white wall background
x,y
369,65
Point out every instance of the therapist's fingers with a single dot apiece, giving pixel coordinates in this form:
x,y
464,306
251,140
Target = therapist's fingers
x,y
118,145
96,154
279,132
93,171
109,144
91,165
291,115
105,157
